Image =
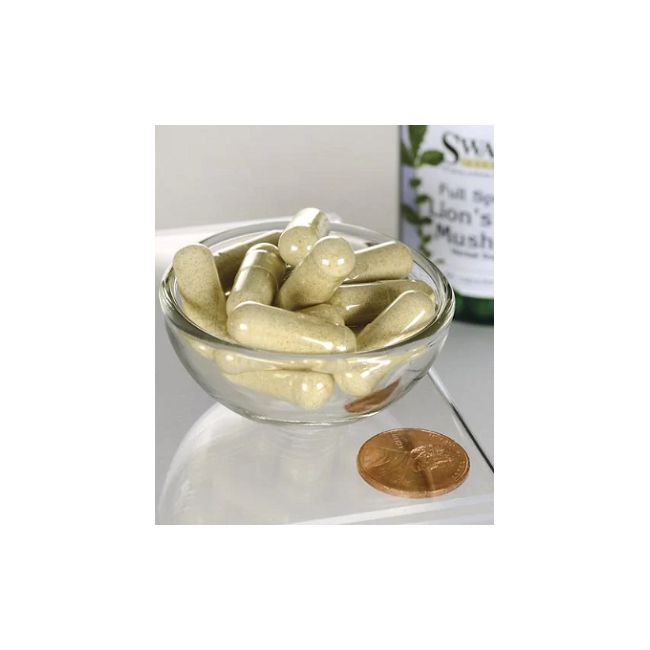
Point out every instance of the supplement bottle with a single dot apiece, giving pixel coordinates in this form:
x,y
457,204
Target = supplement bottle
x,y
447,208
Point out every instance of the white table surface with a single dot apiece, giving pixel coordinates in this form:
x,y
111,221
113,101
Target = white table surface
x,y
466,367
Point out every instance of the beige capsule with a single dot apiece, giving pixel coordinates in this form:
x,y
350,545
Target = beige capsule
x,y
304,230
360,377
362,303
199,347
219,330
204,350
230,258
407,315
258,278
198,281
389,261
235,363
318,276
277,330
307,390
327,312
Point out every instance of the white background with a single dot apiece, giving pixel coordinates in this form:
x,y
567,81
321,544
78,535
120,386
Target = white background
x,y
214,174
567,563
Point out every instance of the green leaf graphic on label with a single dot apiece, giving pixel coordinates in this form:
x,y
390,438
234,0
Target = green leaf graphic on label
x,y
416,135
431,157
407,158
410,158
410,215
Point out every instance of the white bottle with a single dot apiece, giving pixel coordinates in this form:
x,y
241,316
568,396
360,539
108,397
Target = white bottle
x,y
447,208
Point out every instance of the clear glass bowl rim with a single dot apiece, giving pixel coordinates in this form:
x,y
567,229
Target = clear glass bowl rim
x,y
428,336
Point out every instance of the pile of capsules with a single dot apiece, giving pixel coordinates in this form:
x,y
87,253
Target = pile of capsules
x,y
300,291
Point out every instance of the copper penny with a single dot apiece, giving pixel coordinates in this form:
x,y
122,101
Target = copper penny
x,y
367,403
414,463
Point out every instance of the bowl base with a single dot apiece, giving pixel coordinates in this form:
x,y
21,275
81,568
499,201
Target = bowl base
x,y
299,425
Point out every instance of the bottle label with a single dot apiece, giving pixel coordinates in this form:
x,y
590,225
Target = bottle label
x,y
448,202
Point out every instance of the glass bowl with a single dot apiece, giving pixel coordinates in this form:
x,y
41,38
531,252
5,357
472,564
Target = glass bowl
x,y
341,387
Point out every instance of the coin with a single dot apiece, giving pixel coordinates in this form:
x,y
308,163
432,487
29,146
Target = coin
x,y
367,403
414,463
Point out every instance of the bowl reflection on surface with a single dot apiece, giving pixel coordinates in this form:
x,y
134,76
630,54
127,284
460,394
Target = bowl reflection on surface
x,y
230,470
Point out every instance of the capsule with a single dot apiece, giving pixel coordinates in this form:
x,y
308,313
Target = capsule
x,y
389,261
258,278
217,328
230,259
360,377
270,328
307,390
206,351
304,230
203,299
318,276
407,315
235,363
327,312
362,303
